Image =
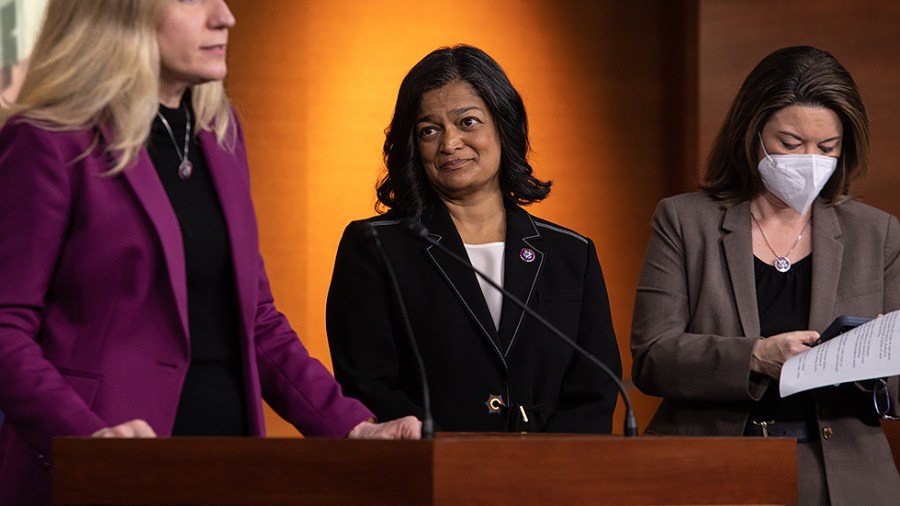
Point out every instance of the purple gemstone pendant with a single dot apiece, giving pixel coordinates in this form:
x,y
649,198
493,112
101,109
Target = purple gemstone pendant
x,y
185,169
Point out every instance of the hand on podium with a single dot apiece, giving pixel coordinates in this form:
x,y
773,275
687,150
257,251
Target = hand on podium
x,y
130,429
408,427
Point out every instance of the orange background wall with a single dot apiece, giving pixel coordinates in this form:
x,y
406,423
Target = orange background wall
x,y
623,100
315,84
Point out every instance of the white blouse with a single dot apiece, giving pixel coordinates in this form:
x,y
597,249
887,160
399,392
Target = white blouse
x,y
488,258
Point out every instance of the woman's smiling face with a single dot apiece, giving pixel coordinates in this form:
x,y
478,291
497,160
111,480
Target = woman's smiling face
x,y
458,142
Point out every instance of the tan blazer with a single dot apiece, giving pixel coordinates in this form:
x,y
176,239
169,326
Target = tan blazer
x,y
696,320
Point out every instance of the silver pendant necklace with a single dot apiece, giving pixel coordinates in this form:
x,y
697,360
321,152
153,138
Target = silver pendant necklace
x,y
185,167
781,263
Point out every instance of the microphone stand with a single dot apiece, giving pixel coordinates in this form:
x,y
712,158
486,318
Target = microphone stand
x,y
427,420
419,230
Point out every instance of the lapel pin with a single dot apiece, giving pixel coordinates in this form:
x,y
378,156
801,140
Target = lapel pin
x,y
527,254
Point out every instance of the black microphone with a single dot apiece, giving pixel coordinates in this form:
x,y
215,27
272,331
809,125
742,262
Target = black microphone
x,y
419,230
427,420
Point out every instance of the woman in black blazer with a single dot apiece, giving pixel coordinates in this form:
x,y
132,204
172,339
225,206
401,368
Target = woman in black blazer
x,y
456,157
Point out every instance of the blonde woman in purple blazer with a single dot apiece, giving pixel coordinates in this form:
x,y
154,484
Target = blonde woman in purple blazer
x,y
133,299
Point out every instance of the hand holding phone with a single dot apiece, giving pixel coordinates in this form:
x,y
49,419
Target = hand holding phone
x,y
840,325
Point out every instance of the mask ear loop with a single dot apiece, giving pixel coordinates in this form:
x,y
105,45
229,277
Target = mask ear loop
x,y
763,146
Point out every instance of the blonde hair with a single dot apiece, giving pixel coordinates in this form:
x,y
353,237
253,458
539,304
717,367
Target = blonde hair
x,y
96,65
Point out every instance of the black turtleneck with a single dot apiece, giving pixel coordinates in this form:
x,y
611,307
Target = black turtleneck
x,y
213,400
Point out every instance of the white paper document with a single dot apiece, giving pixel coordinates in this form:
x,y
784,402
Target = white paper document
x,y
866,352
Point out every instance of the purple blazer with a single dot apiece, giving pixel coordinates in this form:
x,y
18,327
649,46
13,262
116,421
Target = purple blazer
x,y
93,305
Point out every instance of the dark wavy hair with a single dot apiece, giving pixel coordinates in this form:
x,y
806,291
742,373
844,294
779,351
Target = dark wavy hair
x,y
404,187
800,75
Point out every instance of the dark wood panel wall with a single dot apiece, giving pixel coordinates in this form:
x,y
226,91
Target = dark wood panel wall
x,y
735,35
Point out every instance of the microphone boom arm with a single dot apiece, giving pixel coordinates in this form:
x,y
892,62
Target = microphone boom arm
x,y
427,420
630,429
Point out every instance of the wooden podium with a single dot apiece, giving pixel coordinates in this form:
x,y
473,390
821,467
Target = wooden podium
x,y
454,469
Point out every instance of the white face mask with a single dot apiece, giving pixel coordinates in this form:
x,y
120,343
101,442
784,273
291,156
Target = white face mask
x,y
796,179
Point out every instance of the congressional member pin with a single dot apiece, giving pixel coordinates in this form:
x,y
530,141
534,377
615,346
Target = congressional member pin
x,y
527,254
494,403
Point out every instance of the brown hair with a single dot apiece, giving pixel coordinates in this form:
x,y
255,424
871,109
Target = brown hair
x,y
800,75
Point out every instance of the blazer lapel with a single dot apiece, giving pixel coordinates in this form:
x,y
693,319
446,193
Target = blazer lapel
x,y
152,196
232,185
522,264
461,279
828,254
738,245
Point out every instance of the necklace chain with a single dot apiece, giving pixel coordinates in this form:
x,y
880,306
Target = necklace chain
x,y
781,263
185,167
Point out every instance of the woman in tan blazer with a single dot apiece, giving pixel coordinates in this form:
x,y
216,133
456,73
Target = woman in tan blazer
x,y
742,276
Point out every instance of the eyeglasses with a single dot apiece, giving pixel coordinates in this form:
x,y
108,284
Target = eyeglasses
x,y
881,398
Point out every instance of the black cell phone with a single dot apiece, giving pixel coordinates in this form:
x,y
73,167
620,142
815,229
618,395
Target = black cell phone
x,y
840,325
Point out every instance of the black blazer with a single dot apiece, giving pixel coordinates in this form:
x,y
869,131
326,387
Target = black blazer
x,y
466,358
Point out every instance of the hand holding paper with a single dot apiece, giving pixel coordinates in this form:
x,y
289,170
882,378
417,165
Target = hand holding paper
x,y
865,352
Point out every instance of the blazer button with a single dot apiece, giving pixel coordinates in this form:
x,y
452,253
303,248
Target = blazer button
x,y
827,433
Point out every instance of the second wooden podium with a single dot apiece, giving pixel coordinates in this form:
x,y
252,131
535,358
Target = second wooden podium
x,y
451,470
